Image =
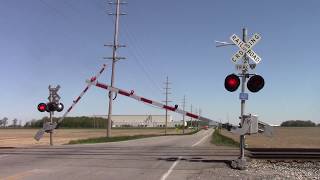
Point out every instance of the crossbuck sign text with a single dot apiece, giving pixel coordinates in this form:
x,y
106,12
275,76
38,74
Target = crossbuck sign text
x,y
246,48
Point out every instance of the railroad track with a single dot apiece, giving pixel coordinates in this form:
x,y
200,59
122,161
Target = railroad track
x,y
283,153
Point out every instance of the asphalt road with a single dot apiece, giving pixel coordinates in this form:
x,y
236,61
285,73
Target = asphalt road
x,y
160,158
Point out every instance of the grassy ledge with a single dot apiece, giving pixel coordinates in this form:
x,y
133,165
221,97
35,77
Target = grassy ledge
x,y
111,139
119,138
221,140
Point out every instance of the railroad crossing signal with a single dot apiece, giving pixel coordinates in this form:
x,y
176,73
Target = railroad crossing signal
x,y
53,104
254,84
50,107
245,48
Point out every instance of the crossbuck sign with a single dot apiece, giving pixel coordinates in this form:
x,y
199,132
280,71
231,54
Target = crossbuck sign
x,y
246,48
54,97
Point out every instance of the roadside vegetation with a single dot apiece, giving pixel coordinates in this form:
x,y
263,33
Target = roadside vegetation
x,y
111,139
221,140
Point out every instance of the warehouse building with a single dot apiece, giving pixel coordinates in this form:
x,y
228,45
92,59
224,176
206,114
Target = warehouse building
x,y
141,120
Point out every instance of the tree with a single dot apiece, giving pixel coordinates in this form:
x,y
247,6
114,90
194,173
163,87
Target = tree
x,y
4,122
298,123
14,122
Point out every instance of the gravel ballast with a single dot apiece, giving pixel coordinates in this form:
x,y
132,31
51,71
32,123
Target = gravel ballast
x,y
266,169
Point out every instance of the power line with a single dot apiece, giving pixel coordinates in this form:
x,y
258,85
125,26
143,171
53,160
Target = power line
x,y
138,52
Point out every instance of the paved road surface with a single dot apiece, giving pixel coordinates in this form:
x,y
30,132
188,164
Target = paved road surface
x,y
160,158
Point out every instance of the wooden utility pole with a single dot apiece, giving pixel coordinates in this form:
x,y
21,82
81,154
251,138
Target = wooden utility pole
x,y
184,108
114,59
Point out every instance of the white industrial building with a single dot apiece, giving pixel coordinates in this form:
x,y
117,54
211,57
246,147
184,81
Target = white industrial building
x,y
141,120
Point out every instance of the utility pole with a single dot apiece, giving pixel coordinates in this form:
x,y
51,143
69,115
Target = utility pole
x,y
195,120
183,117
191,117
166,101
200,112
51,121
114,59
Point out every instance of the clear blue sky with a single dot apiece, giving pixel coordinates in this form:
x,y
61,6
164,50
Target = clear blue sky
x,y
46,42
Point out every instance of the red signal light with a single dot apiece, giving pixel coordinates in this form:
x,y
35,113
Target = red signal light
x,y
232,82
255,83
42,107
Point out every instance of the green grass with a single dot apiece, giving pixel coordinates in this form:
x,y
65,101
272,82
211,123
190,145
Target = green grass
x,y
106,139
118,138
221,140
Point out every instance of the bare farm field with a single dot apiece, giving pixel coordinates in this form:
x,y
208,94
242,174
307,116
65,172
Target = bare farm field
x,y
24,137
283,137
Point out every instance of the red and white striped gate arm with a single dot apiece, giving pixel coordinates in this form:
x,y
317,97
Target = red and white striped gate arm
x,y
94,78
148,101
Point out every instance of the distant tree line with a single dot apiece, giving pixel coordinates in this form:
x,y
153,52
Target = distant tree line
x,y
70,122
298,123
5,124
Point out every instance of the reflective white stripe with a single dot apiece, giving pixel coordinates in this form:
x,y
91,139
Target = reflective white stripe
x,y
166,175
202,139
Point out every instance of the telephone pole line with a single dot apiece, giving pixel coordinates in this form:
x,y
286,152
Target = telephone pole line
x,y
184,108
114,59
196,120
191,117
166,101
199,113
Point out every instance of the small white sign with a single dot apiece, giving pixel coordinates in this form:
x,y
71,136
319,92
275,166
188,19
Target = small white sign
x,y
241,67
243,96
